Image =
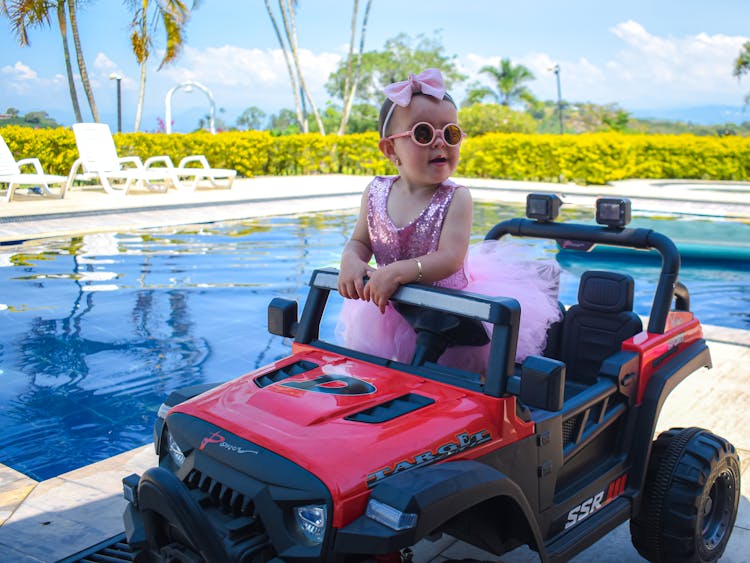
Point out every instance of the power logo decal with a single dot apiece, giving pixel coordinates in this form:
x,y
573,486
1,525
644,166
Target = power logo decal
x,y
214,438
221,441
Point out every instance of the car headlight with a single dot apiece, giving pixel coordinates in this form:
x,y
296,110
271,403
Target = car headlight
x,y
174,450
390,516
311,521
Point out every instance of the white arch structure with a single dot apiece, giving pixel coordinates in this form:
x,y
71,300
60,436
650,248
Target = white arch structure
x,y
188,86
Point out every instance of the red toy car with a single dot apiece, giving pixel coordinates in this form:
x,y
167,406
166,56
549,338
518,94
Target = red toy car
x,y
335,455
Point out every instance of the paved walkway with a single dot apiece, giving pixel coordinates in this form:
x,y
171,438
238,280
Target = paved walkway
x,y
49,520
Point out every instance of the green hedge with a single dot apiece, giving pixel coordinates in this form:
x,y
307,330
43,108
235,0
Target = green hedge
x,y
598,158
594,158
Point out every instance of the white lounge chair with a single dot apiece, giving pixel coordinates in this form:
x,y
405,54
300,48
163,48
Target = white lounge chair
x,y
215,177
11,174
99,161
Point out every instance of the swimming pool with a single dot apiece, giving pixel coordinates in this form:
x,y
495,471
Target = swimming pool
x,y
96,330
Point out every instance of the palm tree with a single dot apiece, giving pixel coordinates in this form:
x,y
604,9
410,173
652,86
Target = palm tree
x,y
81,61
62,22
287,8
742,65
352,74
24,14
292,78
174,15
251,118
509,80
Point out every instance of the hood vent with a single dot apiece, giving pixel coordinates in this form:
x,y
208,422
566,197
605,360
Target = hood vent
x,y
282,373
392,409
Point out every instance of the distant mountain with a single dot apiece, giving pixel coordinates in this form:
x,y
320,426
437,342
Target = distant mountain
x,y
698,115
186,119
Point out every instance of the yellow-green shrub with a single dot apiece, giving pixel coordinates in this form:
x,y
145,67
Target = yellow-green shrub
x,y
594,158
598,158
55,148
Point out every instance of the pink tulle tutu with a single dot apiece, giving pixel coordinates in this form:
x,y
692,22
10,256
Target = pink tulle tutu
x,y
495,268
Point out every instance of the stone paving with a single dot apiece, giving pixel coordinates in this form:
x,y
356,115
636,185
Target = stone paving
x,y
50,520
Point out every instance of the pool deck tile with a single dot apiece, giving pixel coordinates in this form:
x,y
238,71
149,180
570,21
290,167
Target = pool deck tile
x,y
49,520
72,511
14,488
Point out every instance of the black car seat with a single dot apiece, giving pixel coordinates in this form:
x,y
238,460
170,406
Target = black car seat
x,y
596,327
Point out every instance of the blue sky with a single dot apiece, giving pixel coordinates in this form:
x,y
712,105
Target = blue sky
x,y
655,55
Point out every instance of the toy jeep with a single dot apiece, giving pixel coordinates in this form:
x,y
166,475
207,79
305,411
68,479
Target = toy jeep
x,y
335,455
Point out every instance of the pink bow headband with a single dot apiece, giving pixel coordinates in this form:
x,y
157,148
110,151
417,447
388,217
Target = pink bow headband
x,y
430,82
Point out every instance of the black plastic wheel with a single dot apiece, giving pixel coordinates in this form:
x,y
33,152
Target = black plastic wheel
x,y
690,498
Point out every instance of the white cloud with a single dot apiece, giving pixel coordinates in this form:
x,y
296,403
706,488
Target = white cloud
x,y
471,63
647,71
247,77
671,71
21,71
104,66
21,79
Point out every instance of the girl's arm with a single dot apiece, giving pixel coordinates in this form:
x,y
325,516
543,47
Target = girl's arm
x,y
356,256
446,260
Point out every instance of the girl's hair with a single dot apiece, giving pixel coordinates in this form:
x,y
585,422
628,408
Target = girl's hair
x,y
386,111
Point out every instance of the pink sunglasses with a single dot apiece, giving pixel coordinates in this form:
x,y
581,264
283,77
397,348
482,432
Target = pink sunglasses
x,y
423,134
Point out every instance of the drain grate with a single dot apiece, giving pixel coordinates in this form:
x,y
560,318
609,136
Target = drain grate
x,y
113,550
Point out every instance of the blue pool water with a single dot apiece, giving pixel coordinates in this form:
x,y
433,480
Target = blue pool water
x,y
96,330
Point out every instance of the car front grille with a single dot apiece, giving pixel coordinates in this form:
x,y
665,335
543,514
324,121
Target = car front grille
x,y
233,513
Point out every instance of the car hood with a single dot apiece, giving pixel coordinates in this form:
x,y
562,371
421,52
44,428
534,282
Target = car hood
x,y
353,423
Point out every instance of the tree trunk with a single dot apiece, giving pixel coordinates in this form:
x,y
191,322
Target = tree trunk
x,y
350,93
81,61
142,58
295,91
141,96
349,62
63,23
291,33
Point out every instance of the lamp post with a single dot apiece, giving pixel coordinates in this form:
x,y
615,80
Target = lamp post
x,y
188,87
118,78
556,70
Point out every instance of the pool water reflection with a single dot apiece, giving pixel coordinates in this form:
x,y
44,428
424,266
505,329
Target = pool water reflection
x,y
96,330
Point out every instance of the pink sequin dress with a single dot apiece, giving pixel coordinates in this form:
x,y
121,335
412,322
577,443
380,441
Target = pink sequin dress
x,y
487,270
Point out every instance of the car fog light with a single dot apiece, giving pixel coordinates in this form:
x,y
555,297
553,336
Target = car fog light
x,y
389,516
174,450
311,520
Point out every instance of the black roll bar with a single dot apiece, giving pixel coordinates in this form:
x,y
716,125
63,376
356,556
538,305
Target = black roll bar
x,y
644,239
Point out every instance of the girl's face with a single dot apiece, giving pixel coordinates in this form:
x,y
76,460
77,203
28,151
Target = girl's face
x,y
422,165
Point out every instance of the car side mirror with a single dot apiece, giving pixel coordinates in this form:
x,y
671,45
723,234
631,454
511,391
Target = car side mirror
x,y
282,317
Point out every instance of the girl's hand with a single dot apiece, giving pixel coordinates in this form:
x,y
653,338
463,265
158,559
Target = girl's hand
x,y
383,283
352,286
351,277
355,257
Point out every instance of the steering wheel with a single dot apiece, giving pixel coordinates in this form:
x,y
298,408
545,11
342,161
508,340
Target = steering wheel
x,y
437,330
